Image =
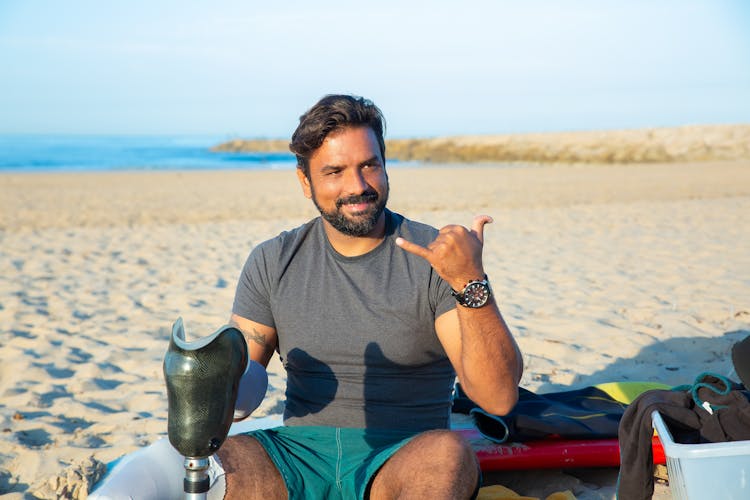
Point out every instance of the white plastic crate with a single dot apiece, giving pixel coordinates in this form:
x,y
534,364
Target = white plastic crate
x,y
705,471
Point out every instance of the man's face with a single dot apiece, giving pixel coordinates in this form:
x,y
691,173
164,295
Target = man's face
x,y
348,182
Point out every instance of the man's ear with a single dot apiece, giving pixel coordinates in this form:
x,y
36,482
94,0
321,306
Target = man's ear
x,y
304,182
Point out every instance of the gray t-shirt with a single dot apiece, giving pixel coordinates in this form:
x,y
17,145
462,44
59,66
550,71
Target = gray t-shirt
x,y
356,334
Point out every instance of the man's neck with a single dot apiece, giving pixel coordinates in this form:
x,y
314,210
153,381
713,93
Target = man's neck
x,y
353,246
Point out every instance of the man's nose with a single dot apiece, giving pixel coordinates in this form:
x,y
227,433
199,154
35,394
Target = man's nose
x,y
355,182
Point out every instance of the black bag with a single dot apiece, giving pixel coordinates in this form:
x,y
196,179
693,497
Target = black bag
x,y
588,413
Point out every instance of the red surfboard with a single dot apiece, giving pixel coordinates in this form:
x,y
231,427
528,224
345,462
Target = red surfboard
x,y
550,453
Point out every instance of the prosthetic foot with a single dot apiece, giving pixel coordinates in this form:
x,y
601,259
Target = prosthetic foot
x,y
202,381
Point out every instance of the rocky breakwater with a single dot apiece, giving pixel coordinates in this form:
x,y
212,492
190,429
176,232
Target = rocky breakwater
x,y
656,145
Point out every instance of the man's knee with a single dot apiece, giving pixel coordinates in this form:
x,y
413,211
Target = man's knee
x,y
434,462
451,448
453,457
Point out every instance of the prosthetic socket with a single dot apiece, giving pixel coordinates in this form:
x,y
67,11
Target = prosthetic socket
x,y
202,381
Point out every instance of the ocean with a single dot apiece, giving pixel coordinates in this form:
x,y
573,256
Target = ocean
x,y
76,153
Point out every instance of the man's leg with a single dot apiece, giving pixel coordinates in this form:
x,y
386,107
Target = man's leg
x,y
435,464
249,471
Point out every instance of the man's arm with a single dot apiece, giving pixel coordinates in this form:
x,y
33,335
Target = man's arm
x,y
484,354
477,341
261,339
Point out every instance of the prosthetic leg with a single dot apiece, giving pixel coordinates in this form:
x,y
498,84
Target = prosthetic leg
x,y
202,381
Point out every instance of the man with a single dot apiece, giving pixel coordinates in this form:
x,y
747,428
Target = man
x,y
359,304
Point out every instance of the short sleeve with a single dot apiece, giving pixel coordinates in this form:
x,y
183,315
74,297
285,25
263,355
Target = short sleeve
x,y
252,299
440,294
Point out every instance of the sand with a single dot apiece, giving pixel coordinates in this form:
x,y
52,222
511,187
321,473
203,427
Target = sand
x,y
604,272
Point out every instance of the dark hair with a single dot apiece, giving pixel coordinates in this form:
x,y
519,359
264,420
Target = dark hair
x,y
330,114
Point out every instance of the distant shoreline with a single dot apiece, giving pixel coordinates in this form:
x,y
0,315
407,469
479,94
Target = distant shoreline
x,y
656,145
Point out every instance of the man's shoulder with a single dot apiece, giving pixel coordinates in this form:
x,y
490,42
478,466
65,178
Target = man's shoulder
x,y
412,230
273,255
289,239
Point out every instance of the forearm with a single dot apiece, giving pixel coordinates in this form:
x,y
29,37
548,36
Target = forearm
x,y
491,363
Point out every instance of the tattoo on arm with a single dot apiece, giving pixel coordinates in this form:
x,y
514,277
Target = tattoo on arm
x,y
254,336
258,338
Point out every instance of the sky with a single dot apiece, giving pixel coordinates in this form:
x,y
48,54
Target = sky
x,y
250,68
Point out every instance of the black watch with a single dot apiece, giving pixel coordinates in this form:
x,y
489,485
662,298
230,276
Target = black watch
x,y
475,294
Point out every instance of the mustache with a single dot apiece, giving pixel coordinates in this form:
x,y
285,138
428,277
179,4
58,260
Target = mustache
x,y
367,196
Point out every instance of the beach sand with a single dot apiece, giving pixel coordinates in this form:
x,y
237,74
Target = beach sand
x,y
603,272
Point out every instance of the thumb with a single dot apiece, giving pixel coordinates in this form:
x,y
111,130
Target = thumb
x,y
477,225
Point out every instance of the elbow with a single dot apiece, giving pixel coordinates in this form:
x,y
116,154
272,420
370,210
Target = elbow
x,y
496,402
502,405
496,395
503,399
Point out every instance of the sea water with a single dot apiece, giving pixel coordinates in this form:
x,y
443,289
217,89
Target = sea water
x,y
71,153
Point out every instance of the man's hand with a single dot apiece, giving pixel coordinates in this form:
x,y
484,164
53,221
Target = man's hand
x,y
456,253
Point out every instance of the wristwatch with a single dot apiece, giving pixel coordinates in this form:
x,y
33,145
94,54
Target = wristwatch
x,y
475,294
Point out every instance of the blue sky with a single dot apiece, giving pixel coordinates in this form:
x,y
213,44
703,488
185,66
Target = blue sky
x,y
250,68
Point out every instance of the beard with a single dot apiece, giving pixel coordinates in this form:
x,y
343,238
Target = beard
x,y
364,222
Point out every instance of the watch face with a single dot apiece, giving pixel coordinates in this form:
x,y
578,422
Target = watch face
x,y
476,294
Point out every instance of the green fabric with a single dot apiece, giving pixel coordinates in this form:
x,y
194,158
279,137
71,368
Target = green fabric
x,y
329,462
626,392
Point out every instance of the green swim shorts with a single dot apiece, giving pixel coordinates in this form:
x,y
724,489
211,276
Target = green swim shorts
x,y
329,462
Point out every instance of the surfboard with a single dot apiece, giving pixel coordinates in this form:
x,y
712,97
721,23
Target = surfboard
x,y
550,453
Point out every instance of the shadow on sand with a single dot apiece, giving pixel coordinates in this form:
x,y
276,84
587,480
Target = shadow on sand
x,y
673,361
